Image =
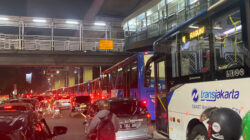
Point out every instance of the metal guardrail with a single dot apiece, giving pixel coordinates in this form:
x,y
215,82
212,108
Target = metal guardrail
x,y
45,43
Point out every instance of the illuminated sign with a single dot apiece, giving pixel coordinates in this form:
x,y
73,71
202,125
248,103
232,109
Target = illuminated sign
x,y
106,45
120,69
197,32
184,39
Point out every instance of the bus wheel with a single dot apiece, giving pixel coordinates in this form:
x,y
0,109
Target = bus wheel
x,y
199,132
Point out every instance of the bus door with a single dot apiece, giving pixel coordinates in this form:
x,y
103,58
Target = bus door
x,y
161,97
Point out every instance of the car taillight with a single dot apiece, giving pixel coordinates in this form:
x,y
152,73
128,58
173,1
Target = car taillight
x,y
148,115
144,102
8,107
209,130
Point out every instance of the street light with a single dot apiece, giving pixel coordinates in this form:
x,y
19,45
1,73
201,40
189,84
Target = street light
x,y
98,23
72,22
4,18
39,20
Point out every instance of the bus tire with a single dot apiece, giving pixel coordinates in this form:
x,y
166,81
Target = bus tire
x,y
199,132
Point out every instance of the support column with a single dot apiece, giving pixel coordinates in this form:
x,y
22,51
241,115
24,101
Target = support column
x,y
59,81
87,73
71,77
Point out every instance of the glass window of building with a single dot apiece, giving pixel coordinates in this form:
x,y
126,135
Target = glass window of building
x,y
132,25
172,5
162,9
141,22
181,5
152,15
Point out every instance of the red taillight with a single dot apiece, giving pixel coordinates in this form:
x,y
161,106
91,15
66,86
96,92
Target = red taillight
x,y
8,107
144,102
148,115
209,130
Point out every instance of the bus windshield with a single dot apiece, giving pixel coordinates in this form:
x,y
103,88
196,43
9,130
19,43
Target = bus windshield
x,y
206,46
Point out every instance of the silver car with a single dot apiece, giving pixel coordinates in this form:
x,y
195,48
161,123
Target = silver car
x,y
134,119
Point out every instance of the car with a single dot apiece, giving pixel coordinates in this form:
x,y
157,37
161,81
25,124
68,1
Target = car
x,y
34,102
16,106
26,125
80,103
65,102
134,118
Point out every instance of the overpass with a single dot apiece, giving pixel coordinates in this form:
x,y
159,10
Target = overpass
x,y
60,58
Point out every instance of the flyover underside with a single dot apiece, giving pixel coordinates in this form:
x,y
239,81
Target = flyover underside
x,y
44,58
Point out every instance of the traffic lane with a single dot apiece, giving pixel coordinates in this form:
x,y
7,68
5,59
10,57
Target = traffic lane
x,y
74,123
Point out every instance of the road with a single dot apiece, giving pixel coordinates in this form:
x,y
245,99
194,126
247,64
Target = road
x,y
74,123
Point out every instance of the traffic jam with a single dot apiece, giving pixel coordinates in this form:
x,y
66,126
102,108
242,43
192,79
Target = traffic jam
x,y
25,118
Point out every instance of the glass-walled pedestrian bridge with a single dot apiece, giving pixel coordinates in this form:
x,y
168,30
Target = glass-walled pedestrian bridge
x,y
47,34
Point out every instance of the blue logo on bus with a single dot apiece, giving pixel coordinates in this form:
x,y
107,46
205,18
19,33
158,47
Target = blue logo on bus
x,y
195,95
214,95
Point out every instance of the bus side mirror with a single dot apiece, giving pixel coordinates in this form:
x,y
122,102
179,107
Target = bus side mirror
x,y
147,77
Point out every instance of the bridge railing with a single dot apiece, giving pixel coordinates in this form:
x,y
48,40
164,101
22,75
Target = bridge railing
x,y
57,43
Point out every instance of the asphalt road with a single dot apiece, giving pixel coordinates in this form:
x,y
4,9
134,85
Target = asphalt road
x,y
74,123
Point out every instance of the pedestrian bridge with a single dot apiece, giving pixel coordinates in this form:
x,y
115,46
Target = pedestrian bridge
x,y
45,41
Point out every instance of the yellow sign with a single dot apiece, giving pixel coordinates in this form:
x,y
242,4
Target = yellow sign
x,y
106,45
197,32
184,39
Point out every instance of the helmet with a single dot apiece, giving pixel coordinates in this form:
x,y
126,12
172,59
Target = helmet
x,y
104,105
225,124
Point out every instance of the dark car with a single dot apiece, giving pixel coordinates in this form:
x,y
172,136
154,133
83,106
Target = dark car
x,y
80,103
33,102
25,125
134,118
16,106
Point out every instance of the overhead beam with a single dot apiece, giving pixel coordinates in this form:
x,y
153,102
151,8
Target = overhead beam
x,y
37,58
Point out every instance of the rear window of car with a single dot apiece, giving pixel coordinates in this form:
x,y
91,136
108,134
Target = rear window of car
x,y
127,108
82,99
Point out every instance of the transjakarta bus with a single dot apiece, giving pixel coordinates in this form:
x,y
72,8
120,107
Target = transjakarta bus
x,y
126,79
204,63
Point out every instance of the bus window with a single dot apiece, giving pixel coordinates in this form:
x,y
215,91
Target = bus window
x,y
194,49
161,88
119,78
113,81
134,75
146,58
230,50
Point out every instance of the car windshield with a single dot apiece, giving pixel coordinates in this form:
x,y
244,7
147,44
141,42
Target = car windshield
x,y
82,99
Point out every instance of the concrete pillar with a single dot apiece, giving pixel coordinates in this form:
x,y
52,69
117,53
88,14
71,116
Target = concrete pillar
x,y
71,76
87,73
59,81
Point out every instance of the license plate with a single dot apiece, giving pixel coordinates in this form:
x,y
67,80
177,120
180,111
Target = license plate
x,y
127,125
